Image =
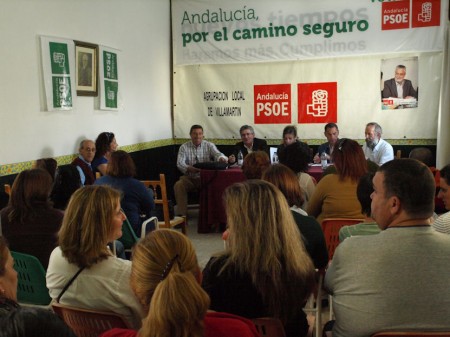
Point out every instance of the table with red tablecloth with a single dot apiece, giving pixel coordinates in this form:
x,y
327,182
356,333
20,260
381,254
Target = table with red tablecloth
x,y
213,185
315,171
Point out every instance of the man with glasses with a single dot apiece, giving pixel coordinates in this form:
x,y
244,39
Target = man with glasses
x,y
197,150
249,144
375,148
84,160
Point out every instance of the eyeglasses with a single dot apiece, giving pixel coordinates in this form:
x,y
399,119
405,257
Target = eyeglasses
x,y
341,143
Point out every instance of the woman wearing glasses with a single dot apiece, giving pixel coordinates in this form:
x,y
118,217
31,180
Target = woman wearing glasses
x,y
335,194
104,145
82,271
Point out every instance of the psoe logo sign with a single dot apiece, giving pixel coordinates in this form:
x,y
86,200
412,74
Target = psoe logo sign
x,y
272,103
426,13
395,15
317,102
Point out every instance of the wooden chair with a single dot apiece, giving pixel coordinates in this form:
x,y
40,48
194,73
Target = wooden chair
x,y
89,323
269,327
331,227
398,154
160,194
31,287
314,303
8,189
411,334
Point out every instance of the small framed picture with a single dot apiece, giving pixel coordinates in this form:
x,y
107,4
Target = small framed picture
x,y
86,70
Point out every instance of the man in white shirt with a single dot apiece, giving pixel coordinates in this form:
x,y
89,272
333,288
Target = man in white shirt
x,y
195,151
377,149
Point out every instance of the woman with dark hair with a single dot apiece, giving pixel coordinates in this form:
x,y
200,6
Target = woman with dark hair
x,y
36,322
266,270
67,181
289,137
105,144
254,164
137,200
8,280
335,194
29,222
100,281
48,164
286,181
165,277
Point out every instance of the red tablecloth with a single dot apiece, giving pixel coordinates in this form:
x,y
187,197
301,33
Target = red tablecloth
x,y
316,172
213,184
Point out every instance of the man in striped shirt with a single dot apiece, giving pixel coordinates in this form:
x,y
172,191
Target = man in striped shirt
x,y
197,150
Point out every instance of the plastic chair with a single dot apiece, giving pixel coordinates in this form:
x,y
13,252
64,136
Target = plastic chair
x,y
87,322
160,194
269,327
411,334
31,287
129,237
314,303
331,227
7,189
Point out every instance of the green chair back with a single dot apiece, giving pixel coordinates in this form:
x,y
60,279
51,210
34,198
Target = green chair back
x,y
31,288
128,238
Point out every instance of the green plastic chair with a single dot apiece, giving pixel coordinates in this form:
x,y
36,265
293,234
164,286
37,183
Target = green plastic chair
x,y
129,237
31,288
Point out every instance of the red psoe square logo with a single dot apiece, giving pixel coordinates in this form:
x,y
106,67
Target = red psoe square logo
x,y
426,13
272,103
317,102
395,15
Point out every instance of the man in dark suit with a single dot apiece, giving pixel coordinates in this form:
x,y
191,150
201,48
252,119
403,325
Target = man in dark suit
x,y
399,86
249,144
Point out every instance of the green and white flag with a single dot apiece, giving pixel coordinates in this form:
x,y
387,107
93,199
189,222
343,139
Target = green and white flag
x,y
109,78
58,68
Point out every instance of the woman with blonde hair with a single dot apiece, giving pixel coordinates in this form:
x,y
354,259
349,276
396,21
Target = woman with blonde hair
x,y
286,181
335,194
165,278
82,271
266,270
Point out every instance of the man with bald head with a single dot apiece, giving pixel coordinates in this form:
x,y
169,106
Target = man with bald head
x,y
397,279
84,160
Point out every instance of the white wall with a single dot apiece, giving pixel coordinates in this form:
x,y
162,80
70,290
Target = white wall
x,y
139,28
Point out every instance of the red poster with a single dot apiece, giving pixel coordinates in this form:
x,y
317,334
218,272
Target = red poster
x,y
317,102
272,103
426,13
395,15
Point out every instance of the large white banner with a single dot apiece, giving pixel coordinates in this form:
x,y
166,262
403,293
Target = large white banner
x,y
236,31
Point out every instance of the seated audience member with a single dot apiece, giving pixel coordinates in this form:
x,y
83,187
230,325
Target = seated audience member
x,y
442,224
332,134
36,322
397,279
266,270
137,200
369,226
286,180
67,181
8,280
105,144
248,145
335,194
255,164
29,222
84,160
197,150
425,156
375,148
164,265
47,164
289,137
92,219
296,156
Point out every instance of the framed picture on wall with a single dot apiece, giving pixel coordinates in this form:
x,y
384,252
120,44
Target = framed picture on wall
x,y
86,68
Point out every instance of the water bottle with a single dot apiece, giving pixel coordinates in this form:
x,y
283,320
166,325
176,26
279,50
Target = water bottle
x,y
240,158
323,160
275,158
